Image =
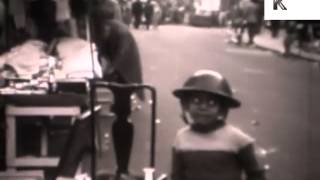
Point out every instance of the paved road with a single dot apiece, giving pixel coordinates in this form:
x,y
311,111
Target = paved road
x,y
278,95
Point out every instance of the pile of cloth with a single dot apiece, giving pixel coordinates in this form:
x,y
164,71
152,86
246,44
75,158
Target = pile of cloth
x,y
77,59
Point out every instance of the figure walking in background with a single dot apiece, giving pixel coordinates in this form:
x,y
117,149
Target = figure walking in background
x,y
290,37
156,15
137,11
148,13
209,147
251,10
237,24
126,12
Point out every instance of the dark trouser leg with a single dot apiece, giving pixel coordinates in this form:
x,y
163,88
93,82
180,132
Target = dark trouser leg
x,y
239,32
275,25
122,130
79,142
135,24
148,21
290,37
137,21
251,32
122,138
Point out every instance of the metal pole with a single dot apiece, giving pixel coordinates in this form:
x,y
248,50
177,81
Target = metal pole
x,y
153,126
92,90
93,129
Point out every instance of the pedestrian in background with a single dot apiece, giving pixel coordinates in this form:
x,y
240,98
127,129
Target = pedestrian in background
x,y
290,37
157,14
148,13
237,23
209,147
251,10
126,11
137,11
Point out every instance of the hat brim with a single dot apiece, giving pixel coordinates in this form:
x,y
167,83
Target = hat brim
x,y
230,101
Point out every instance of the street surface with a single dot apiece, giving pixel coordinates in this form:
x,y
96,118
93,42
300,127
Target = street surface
x,y
279,97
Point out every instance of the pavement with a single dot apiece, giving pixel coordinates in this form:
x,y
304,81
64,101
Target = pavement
x,y
265,41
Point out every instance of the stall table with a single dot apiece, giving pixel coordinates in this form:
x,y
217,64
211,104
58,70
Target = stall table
x,y
50,105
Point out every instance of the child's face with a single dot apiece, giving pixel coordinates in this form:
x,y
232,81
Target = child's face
x,y
203,108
